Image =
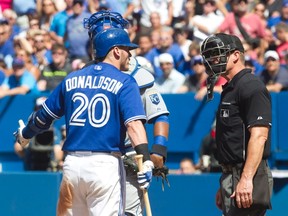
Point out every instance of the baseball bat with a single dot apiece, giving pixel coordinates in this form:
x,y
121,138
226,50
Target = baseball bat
x,y
139,159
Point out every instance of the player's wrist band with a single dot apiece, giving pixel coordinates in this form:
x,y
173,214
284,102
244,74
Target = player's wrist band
x,y
143,149
160,150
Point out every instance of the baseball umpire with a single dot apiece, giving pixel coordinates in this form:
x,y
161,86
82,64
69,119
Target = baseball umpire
x,y
155,109
242,129
100,104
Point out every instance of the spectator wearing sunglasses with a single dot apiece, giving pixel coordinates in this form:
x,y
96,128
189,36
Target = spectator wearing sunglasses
x,y
274,76
56,71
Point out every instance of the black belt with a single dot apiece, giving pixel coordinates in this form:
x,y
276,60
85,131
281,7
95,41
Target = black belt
x,y
228,168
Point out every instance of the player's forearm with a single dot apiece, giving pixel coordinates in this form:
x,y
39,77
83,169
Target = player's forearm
x,y
137,135
161,129
136,132
161,133
254,151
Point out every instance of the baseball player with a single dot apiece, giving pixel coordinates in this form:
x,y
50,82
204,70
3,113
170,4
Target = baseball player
x,y
154,107
157,114
100,104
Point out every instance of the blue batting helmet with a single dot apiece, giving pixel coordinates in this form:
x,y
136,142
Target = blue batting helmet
x,y
109,38
103,20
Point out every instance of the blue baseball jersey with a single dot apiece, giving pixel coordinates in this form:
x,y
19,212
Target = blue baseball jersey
x,y
97,101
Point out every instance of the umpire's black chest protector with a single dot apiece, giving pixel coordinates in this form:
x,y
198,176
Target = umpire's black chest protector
x,y
238,110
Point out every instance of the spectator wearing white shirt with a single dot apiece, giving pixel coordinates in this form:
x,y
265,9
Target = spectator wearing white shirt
x,y
171,80
206,24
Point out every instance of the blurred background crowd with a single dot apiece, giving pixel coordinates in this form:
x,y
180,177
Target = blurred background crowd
x,y
41,41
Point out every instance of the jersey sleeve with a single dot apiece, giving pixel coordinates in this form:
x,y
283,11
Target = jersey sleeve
x,y
131,106
154,104
257,105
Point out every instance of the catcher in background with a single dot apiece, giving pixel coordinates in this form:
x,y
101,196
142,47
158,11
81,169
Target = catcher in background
x,y
156,112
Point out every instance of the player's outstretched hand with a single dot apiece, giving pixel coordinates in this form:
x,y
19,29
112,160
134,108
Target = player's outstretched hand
x,y
18,134
145,177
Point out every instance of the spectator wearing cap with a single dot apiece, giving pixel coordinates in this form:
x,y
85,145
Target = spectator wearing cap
x,y
166,45
171,80
20,82
274,76
76,37
196,82
207,23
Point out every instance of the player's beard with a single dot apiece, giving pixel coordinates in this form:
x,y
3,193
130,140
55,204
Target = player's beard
x,y
125,64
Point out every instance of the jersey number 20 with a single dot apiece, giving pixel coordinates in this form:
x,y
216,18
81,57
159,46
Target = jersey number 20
x,y
90,108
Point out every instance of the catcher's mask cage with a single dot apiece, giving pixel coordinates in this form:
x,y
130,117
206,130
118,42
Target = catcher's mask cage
x,y
103,20
214,53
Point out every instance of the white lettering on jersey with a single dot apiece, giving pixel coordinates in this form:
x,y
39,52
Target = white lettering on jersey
x,y
84,105
93,82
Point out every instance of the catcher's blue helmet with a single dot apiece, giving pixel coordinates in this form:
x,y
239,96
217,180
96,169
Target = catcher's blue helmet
x,y
109,38
103,20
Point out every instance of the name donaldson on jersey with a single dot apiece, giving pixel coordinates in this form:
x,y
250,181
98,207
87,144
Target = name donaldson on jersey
x,y
93,82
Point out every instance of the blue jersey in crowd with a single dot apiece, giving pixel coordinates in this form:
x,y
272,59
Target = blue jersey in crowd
x,y
97,103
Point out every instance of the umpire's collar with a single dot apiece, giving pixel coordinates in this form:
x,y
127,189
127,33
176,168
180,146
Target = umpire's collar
x,y
237,77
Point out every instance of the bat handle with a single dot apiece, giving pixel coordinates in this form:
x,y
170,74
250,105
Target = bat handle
x,y
139,160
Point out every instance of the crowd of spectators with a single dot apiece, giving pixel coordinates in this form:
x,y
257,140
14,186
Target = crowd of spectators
x,y
46,39
41,41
